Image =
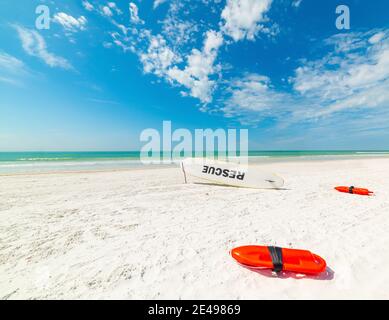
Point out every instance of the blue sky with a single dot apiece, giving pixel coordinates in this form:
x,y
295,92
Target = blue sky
x,y
106,70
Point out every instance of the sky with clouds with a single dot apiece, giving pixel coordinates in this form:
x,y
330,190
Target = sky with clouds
x,y
106,70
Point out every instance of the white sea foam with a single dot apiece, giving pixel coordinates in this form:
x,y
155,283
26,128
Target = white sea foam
x,y
43,159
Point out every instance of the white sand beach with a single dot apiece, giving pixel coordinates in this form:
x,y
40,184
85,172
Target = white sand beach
x,y
144,234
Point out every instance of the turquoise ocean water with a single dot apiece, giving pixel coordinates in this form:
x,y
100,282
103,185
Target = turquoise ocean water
x,y
22,162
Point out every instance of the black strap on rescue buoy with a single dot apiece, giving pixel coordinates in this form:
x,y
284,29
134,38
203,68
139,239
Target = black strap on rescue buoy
x,y
351,189
276,257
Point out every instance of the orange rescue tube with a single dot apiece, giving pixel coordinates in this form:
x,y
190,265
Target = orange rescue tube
x,y
353,190
294,260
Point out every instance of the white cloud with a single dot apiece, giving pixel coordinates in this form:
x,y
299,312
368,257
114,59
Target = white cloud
x,y
296,3
158,56
345,79
242,18
125,47
134,14
107,45
157,3
11,69
110,9
253,98
105,10
353,76
87,5
113,6
200,66
348,78
162,54
377,37
34,45
213,42
70,23
369,97
177,30
11,64
9,81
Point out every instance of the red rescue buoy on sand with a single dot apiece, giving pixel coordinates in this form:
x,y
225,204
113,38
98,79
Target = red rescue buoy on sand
x,y
279,259
353,190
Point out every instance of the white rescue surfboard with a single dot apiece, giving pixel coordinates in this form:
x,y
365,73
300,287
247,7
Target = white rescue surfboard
x,y
231,174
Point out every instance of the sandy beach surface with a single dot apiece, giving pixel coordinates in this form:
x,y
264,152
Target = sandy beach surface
x,y
143,234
